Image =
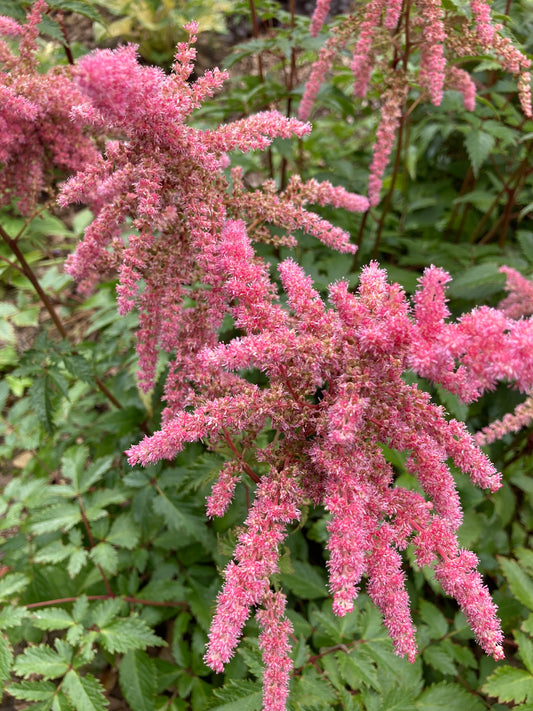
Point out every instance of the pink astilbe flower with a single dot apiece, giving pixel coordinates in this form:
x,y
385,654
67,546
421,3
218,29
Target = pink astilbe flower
x,y
335,395
319,16
37,134
275,646
386,42
277,503
519,301
167,180
432,59
391,113
462,81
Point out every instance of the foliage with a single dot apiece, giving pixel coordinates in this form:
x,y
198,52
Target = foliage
x,y
109,574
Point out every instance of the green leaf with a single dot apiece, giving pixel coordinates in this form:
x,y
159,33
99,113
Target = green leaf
x,y
105,612
12,616
239,696
78,367
525,649
356,668
52,618
525,239
61,517
478,282
104,555
306,581
124,532
138,680
128,633
76,562
180,520
520,583
478,144
6,658
40,660
445,697
440,659
11,584
33,690
85,692
41,393
434,619
510,684
79,7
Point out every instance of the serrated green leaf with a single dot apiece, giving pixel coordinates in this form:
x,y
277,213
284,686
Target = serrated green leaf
x,y
357,669
478,144
52,618
54,552
440,659
179,519
6,658
128,633
104,555
78,367
510,684
32,690
61,702
41,393
11,584
306,582
525,239
76,562
520,583
445,697
61,517
79,7
85,692
434,619
525,649
12,616
94,473
40,660
105,612
478,282
239,696
124,532
138,680
73,463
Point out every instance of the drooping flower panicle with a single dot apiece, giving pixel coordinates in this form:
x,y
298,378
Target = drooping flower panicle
x,y
330,449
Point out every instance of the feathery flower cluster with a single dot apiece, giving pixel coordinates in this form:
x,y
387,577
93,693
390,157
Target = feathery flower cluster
x,y
517,304
335,396
167,178
472,355
382,35
37,135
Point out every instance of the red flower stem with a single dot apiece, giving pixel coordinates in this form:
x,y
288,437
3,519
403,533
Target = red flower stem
x,y
134,600
253,476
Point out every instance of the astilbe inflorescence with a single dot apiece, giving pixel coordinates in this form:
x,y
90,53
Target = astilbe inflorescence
x,y
388,35
518,304
38,140
335,396
168,179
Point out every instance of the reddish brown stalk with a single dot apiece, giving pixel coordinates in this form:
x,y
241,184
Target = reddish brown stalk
x,y
227,437
28,272
133,600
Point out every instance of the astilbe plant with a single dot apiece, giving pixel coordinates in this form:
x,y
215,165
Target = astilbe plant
x,y
38,138
335,396
168,179
414,43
